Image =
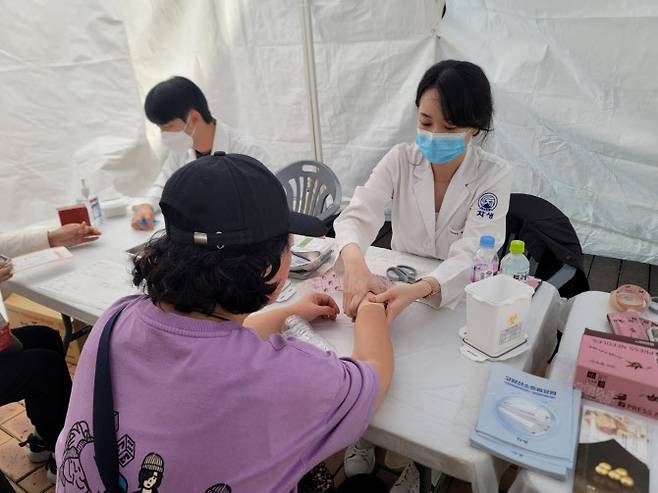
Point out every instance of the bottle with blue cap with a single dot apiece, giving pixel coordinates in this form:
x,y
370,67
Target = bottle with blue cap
x,y
485,261
515,264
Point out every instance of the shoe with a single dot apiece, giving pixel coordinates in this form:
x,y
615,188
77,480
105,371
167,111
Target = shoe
x,y
359,460
51,470
408,482
37,451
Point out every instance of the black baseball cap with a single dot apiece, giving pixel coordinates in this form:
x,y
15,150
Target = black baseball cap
x,y
229,199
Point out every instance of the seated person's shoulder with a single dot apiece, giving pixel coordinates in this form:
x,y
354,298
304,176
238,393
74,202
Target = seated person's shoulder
x,y
405,153
491,164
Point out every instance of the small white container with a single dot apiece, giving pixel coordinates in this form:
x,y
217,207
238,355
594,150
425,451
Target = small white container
x,y
116,207
496,314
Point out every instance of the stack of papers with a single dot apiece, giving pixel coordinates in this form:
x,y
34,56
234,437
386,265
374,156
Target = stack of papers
x,y
529,420
308,254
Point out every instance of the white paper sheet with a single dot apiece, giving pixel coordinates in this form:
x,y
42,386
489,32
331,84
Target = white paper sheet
x,y
96,285
42,257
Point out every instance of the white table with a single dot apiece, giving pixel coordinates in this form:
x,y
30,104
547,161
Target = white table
x,y
434,399
589,310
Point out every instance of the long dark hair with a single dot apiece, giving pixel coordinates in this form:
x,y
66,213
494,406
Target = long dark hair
x,y
464,92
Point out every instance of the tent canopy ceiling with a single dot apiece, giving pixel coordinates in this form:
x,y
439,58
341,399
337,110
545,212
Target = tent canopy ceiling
x,y
575,87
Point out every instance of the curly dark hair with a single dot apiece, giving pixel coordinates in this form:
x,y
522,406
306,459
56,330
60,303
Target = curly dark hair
x,y
200,278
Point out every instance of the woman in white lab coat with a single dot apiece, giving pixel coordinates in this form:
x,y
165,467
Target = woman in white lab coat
x,y
446,193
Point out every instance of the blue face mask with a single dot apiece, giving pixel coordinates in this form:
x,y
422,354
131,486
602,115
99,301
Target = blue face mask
x,y
440,148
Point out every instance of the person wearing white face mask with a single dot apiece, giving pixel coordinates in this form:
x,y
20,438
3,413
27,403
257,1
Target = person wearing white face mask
x,y
446,193
188,130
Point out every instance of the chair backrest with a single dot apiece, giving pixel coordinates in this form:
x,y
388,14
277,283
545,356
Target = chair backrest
x,y
311,188
551,241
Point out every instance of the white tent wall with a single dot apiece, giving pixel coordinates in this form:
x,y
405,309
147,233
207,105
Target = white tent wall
x,y
70,107
247,57
575,85
576,97
75,75
369,57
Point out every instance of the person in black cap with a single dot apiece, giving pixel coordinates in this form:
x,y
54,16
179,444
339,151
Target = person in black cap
x,y
213,388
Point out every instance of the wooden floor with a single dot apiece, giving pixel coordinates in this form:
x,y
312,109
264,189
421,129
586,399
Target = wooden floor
x,y
603,273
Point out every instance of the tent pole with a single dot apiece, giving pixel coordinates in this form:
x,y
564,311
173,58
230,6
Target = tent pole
x,y
309,65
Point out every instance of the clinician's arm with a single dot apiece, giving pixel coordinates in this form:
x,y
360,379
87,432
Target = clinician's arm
x,y
22,242
144,212
357,227
454,273
31,240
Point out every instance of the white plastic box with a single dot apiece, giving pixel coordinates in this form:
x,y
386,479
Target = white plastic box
x,y
496,313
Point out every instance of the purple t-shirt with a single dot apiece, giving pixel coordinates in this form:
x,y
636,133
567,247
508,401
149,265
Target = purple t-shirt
x,y
209,407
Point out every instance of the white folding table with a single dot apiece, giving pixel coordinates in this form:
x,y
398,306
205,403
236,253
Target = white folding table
x,y
435,395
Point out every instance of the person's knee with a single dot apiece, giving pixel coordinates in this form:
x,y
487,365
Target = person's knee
x,y
45,365
50,339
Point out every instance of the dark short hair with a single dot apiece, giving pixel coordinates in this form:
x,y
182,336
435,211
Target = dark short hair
x,y
201,278
464,92
175,98
145,474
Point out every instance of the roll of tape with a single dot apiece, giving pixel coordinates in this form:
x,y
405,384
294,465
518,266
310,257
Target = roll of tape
x,y
654,304
630,297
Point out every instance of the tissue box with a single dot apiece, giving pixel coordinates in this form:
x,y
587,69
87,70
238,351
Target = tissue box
x,y
618,371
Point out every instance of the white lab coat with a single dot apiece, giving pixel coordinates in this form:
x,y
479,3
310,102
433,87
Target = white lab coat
x,y
475,204
22,242
226,139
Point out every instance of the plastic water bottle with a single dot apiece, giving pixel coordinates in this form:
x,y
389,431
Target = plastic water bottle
x,y
485,262
297,327
92,203
515,264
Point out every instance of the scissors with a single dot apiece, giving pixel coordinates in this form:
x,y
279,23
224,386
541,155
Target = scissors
x,y
402,273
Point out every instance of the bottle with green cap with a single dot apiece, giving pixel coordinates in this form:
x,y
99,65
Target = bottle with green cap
x,y
515,264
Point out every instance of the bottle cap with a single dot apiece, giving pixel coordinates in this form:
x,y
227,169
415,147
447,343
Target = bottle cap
x,y
517,246
487,241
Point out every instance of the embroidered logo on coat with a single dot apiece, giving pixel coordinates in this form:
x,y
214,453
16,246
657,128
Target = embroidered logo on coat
x,y
487,203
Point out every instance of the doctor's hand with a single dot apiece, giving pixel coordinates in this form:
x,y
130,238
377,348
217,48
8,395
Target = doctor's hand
x,y
316,305
6,271
144,216
358,281
72,234
400,297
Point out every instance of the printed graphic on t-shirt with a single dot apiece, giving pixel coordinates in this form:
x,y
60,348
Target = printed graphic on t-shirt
x,y
219,488
150,473
76,453
71,472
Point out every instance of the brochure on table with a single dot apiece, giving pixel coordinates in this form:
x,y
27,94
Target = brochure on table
x,y
529,420
613,453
